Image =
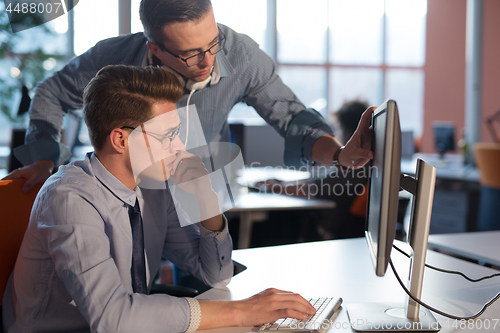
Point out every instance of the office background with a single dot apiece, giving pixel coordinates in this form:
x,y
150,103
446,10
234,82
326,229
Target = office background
x,y
327,51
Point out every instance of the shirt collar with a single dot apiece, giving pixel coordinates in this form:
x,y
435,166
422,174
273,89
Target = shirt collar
x,y
222,66
222,62
111,183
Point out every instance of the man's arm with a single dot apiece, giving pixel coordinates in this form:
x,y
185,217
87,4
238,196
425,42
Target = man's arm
x,y
207,257
356,152
61,93
54,97
278,105
265,307
72,230
34,174
308,138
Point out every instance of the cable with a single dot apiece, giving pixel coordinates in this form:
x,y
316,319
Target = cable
x,y
187,116
450,272
435,310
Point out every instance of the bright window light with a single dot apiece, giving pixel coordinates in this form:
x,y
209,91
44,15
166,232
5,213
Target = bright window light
x,y
95,20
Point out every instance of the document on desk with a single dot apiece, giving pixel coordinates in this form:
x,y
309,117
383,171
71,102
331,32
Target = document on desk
x,y
327,310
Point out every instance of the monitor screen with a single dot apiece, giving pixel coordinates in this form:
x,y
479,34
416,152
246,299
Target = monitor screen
x,y
383,195
444,136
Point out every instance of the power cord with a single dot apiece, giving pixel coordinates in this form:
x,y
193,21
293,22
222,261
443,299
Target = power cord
x,y
448,271
435,310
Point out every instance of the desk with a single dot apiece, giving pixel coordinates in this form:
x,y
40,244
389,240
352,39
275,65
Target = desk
x,y
254,207
251,175
451,167
481,246
343,268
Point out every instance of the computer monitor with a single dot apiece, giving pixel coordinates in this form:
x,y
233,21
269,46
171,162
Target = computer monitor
x,y
444,137
383,197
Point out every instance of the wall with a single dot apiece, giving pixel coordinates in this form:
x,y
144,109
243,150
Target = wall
x,y
445,66
491,58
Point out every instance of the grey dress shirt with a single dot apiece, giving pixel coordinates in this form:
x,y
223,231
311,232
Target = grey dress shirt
x,y
246,74
73,269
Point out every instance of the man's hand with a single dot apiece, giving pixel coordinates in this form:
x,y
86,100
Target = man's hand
x,y
270,305
190,174
265,307
34,174
357,152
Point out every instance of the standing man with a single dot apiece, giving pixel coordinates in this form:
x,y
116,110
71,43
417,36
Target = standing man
x,y
95,238
219,67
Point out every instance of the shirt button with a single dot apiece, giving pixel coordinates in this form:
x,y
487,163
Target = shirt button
x,y
223,257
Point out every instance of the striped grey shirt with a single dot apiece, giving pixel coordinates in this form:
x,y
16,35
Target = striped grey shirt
x,y
247,75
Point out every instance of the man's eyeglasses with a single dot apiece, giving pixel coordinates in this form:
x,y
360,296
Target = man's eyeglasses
x,y
197,58
165,140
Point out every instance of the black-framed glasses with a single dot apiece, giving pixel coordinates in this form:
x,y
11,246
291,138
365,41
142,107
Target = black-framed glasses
x,y
197,58
159,137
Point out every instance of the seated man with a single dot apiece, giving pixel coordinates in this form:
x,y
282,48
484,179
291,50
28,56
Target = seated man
x,y
95,238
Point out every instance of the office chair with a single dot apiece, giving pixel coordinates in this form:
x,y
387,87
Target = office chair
x,y
487,157
16,208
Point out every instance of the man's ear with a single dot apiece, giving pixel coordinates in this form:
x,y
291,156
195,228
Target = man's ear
x,y
118,139
154,48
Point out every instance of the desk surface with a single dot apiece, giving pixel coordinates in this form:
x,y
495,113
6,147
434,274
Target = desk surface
x,y
255,201
481,246
253,207
451,167
343,268
252,175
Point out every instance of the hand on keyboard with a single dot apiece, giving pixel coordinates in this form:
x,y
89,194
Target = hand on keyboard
x,y
270,305
325,309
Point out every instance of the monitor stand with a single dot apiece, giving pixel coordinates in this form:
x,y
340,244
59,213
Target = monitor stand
x,y
367,317
408,317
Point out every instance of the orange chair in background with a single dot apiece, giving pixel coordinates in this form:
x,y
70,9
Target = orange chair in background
x,y
15,207
487,156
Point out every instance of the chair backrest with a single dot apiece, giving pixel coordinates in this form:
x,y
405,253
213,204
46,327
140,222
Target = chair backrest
x,y
487,157
15,214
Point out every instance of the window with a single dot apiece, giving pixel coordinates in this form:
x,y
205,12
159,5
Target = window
x,y
250,18
95,20
370,50
327,51
247,17
31,55
331,51
302,27
356,32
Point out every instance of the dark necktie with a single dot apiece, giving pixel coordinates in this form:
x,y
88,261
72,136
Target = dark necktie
x,y
138,270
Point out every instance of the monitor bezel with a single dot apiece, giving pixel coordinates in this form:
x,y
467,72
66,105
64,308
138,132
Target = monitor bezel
x,y
380,245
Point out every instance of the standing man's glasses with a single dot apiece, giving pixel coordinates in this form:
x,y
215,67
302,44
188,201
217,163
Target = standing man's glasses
x,y
163,139
197,58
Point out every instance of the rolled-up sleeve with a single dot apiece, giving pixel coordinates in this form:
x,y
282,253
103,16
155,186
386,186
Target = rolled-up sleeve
x,y
195,317
63,92
303,131
280,107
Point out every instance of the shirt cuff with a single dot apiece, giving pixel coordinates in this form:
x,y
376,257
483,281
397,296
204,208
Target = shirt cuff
x,y
195,309
301,135
315,132
219,235
35,151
